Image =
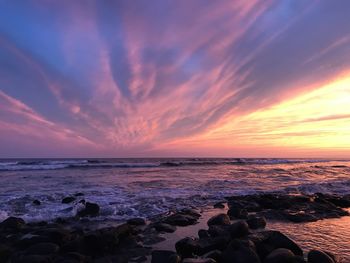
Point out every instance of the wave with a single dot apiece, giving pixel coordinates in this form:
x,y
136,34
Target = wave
x,y
138,163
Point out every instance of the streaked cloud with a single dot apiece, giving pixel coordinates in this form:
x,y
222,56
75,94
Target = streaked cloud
x,y
116,78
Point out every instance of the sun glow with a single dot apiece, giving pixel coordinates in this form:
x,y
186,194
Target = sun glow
x,y
317,120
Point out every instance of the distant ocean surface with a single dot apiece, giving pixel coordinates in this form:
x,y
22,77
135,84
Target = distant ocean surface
x,y
126,188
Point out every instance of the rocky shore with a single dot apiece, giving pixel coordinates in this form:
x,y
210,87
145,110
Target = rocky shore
x,y
236,235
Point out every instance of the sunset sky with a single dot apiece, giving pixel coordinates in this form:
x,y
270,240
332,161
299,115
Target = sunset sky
x,y
161,78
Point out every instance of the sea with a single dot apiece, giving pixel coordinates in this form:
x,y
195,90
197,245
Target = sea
x,y
147,187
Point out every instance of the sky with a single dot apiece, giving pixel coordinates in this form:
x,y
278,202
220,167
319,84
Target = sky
x,y
173,78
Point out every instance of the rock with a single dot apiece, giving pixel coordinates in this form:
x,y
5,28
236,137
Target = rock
x,y
36,202
95,245
106,240
42,249
214,254
51,234
205,245
240,251
202,233
76,256
317,256
5,253
237,213
216,230
299,216
61,221
238,229
295,208
137,221
68,199
219,205
78,194
267,241
32,259
255,222
191,212
181,220
198,260
186,247
164,256
91,209
280,255
14,223
220,219
163,227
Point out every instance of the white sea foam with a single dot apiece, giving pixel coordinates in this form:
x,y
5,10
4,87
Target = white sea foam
x,y
128,188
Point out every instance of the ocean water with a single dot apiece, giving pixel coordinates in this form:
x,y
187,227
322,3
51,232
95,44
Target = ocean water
x,y
126,188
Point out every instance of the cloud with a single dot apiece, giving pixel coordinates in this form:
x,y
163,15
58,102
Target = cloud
x,y
132,77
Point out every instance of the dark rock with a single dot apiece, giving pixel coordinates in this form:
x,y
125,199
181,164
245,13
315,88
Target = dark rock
x,y
94,244
164,256
61,221
42,249
198,260
214,254
244,202
202,233
216,230
240,251
255,222
137,221
280,255
334,257
51,234
5,253
76,256
68,199
138,259
78,194
219,205
299,216
106,240
91,209
238,229
205,245
191,212
29,240
186,247
36,202
267,241
181,220
163,227
14,223
295,208
32,259
152,239
220,219
237,213
317,256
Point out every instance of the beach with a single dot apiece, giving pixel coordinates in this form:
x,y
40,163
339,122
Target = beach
x,y
128,210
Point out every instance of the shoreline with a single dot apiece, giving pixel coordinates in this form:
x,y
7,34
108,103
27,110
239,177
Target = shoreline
x,y
138,240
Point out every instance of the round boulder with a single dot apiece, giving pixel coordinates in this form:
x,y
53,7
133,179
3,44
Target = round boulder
x,y
317,256
68,199
280,255
42,249
220,219
90,209
256,222
13,223
239,229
